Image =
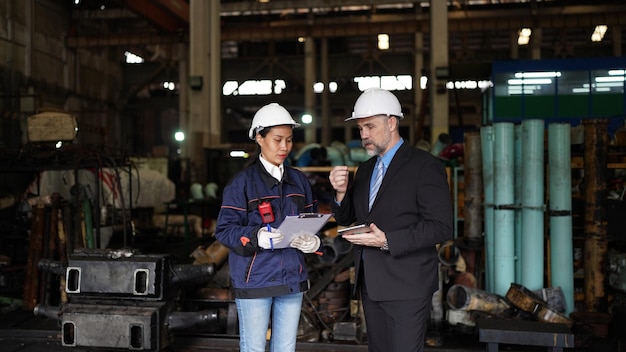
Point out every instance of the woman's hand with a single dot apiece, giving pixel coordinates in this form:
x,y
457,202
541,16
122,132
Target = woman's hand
x,y
268,239
306,242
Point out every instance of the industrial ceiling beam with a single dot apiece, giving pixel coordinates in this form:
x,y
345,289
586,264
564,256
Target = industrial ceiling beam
x,y
326,27
157,15
255,7
180,8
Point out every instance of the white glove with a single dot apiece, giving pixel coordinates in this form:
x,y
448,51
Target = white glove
x,y
264,236
306,242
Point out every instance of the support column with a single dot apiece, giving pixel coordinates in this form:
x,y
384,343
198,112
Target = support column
x,y
325,118
417,130
204,118
439,107
309,94
473,221
596,235
29,14
473,190
183,91
514,45
215,79
616,32
486,147
535,42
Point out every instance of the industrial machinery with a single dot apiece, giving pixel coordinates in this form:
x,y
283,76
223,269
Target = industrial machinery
x,y
120,293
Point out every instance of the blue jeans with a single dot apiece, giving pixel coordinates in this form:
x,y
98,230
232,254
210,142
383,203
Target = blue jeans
x,y
254,317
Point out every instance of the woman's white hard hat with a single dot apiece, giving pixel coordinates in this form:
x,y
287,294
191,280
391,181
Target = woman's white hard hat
x,y
270,115
376,101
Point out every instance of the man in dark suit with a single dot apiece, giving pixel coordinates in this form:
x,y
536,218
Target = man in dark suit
x,y
411,213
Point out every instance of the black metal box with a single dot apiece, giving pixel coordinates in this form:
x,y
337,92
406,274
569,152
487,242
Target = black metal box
x,y
136,327
136,277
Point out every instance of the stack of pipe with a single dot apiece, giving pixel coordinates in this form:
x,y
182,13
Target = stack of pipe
x,y
513,184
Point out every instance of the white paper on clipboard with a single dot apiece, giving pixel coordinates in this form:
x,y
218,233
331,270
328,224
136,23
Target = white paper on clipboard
x,y
294,225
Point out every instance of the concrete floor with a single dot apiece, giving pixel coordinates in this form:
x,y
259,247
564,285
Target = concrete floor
x,y
21,331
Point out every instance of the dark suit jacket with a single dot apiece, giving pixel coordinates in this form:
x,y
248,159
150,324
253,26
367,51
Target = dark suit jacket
x,y
414,208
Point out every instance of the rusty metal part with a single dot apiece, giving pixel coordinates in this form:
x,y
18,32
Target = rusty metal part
x,y
526,300
216,254
62,250
466,279
222,294
595,218
333,294
334,301
35,248
337,286
448,253
342,276
473,299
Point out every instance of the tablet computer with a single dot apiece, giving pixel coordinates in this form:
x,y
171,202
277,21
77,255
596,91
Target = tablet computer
x,y
352,230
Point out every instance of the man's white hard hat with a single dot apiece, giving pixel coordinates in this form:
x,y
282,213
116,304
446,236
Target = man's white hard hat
x,y
376,101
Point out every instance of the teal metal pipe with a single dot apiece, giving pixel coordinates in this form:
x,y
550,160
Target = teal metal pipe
x,y
560,205
532,250
503,201
486,147
518,202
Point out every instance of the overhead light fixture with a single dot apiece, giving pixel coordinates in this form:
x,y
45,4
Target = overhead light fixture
x,y
539,74
383,41
239,154
307,119
598,33
524,36
515,81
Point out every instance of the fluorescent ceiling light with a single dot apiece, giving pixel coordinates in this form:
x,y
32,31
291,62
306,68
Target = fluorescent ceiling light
x,y
617,72
598,33
513,82
537,74
383,41
524,36
238,154
604,84
610,79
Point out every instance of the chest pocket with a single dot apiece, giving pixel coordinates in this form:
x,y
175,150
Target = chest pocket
x,y
296,203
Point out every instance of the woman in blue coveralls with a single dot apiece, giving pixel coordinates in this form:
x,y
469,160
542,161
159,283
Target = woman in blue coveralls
x,y
267,281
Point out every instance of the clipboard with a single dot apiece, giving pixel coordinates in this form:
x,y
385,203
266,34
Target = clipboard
x,y
293,225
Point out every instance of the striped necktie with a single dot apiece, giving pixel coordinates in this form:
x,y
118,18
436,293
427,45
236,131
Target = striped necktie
x,y
377,181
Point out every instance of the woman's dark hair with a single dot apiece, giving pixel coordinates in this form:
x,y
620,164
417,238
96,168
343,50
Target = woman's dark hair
x,y
263,132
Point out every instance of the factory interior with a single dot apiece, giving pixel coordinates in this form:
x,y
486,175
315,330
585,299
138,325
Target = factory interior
x,y
123,120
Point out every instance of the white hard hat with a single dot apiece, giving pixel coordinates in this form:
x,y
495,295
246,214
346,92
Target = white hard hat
x,y
270,115
376,101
